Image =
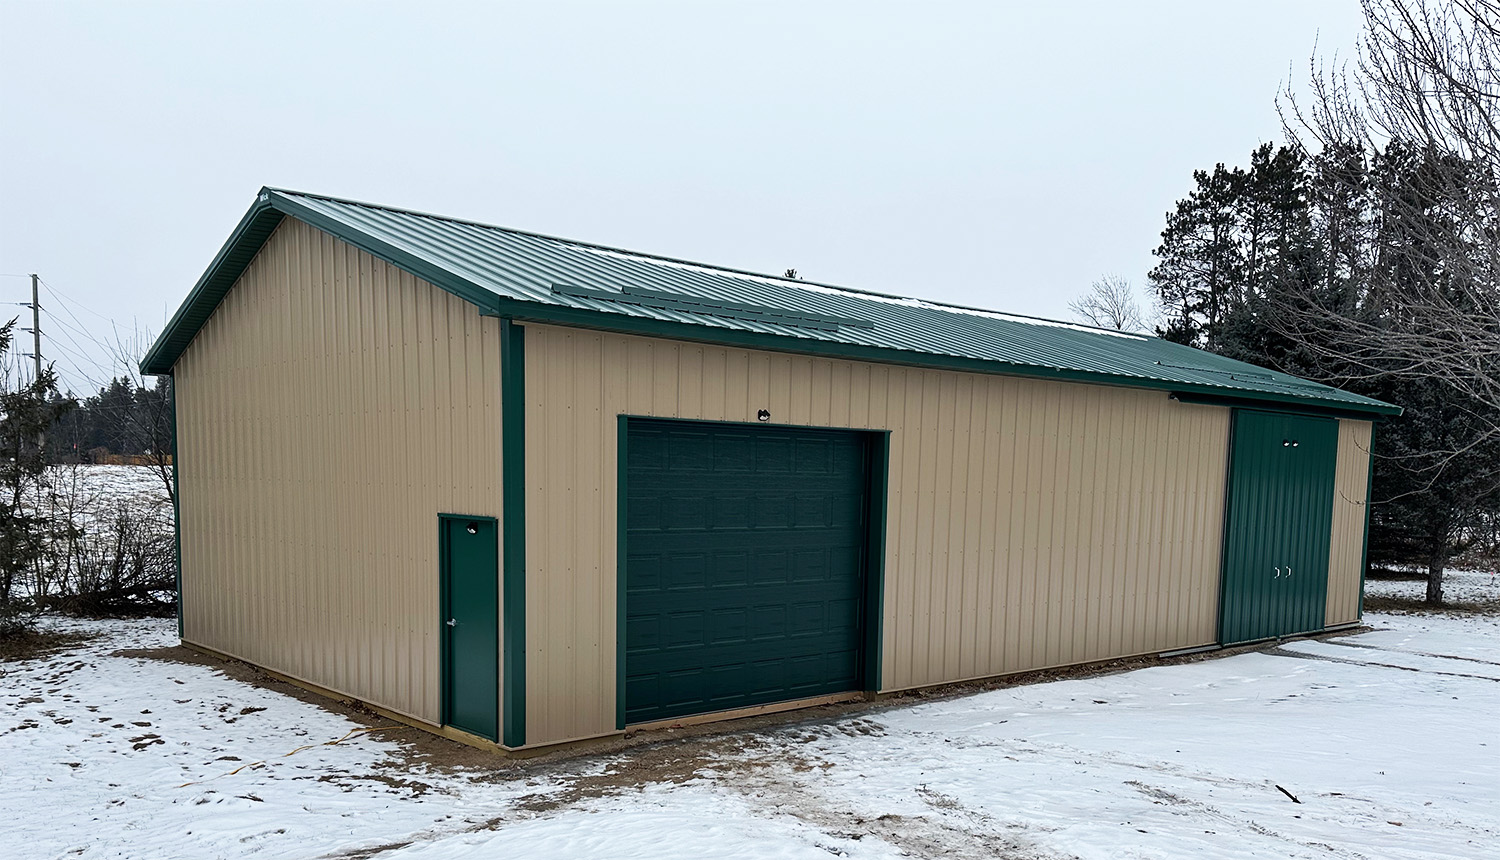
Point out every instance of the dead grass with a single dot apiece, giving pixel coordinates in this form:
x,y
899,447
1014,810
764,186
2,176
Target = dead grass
x,y
31,644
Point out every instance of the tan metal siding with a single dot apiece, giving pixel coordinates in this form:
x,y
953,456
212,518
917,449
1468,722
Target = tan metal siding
x,y
1031,523
330,409
1347,552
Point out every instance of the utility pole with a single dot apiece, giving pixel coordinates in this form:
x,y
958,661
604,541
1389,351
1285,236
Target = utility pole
x,y
36,327
36,354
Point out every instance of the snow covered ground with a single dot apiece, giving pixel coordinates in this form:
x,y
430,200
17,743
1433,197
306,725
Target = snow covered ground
x,y
1388,739
1459,586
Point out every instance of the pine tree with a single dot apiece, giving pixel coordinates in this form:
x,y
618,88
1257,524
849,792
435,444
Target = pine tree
x,y
1200,268
26,412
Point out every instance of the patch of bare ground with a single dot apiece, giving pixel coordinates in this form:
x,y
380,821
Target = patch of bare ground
x,y
31,644
368,852
395,784
733,758
1414,606
782,786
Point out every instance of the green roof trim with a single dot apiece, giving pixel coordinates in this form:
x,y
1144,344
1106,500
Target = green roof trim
x,y
530,277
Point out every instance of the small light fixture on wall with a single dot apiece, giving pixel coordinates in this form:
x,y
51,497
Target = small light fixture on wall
x,y
763,415
472,528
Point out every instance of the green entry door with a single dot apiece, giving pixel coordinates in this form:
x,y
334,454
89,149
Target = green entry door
x,y
470,625
1280,521
744,565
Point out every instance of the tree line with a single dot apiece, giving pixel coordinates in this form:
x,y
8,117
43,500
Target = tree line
x,y
1364,252
124,417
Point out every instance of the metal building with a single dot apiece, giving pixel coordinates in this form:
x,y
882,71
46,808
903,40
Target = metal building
x,y
530,490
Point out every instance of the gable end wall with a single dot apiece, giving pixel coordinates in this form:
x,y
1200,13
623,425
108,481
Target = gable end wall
x,y
328,411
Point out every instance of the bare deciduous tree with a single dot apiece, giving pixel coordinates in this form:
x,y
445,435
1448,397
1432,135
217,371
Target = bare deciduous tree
x,y
1426,78
1420,102
1109,303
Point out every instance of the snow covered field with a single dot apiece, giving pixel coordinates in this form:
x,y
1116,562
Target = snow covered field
x,y
1388,739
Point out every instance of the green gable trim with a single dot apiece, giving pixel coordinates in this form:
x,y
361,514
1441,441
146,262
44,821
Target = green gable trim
x,y
513,530
231,261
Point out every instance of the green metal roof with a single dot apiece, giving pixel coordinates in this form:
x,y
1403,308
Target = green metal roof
x,y
530,277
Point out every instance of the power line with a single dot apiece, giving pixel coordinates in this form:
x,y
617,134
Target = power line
x,y
56,292
74,359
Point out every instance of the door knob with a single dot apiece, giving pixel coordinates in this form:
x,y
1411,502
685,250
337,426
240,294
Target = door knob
x,y
452,622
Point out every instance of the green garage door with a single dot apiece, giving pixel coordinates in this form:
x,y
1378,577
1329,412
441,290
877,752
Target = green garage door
x,y
1280,522
744,568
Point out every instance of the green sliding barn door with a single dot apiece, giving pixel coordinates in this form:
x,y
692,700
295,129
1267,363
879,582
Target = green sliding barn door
x,y
744,570
1280,521
470,624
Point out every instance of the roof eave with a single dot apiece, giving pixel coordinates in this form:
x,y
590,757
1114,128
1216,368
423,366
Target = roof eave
x,y
536,312
272,205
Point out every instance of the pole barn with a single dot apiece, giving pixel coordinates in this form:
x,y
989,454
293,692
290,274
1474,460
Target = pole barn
x,y
524,491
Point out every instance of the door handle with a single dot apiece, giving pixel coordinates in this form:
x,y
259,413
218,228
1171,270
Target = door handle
x,y
1278,574
452,622
1289,572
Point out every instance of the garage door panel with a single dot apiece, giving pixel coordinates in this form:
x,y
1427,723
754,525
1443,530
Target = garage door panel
x,y
772,454
729,512
733,453
812,456
729,626
644,513
731,569
744,576
684,570
643,633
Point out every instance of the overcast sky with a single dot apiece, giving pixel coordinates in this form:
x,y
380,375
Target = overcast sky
x,y
996,154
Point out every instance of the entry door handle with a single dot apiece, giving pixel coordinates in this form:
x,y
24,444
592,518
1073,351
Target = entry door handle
x,y
1277,576
1289,572
452,622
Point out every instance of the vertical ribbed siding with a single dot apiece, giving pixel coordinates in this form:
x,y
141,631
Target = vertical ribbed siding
x,y
1346,553
1031,523
329,410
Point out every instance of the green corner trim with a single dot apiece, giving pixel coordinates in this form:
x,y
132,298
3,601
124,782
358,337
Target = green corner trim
x,y
176,500
513,529
1364,553
445,664
878,506
621,470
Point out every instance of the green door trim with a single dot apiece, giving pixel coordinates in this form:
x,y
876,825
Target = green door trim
x,y
445,612
513,530
622,462
877,503
877,492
